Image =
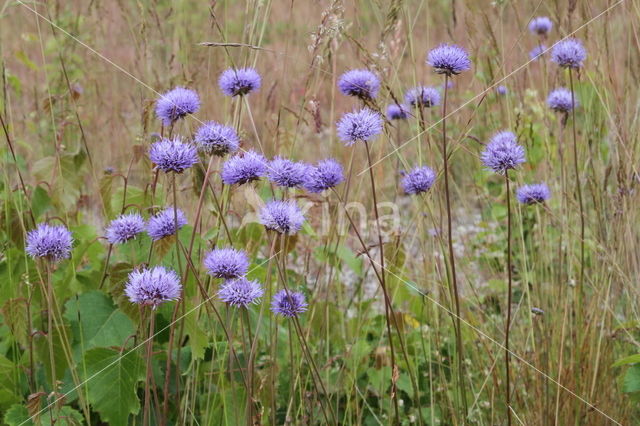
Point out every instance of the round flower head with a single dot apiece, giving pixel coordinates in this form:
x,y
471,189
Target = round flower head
x,y
532,194
422,96
537,51
540,25
239,82
503,152
163,224
282,216
362,84
124,228
362,125
288,303
176,104
244,168
397,112
326,174
418,180
217,139
449,59
287,173
560,100
152,287
173,155
51,242
569,53
226,263
240,292
502,90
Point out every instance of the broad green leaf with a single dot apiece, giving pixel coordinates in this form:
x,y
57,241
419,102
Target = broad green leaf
x,y
348,256
633,359
112,377
97,321
631,382
66,416
14,313
40,201
42,350
197,336
9,382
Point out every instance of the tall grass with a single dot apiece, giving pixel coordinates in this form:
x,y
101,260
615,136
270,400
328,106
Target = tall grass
x,y
377,344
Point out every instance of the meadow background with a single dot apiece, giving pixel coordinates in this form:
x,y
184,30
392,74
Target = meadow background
x,y
79,84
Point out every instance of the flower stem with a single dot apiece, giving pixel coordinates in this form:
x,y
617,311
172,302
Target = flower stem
x,y
452,260
579,195
507,353
147,387
387,300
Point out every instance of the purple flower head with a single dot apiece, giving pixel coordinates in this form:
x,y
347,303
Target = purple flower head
x,y
152,287
537,51
163,224
560,100
418,180
51,242
362,84
540,25
239,82
503,152
569,53
226,263
288,303
362,125
449,59
422,96
244,168
326,174
124,228
532,194
240,292
284,217
176,104
397,112
287,173
217,139
173,155
502,90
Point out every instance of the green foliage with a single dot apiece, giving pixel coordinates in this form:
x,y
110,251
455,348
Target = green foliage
x,y
18,415
97,322
112,379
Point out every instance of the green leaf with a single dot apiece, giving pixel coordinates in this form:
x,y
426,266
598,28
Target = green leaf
x,y
19,415
40,201
347,256
631,382
633,359
14,313
9,383
59,357
197,337
112,377
96,320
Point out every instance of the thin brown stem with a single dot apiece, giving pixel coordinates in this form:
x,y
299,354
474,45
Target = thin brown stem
x,y
147,386
452,260
579,195
507,354
387,301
